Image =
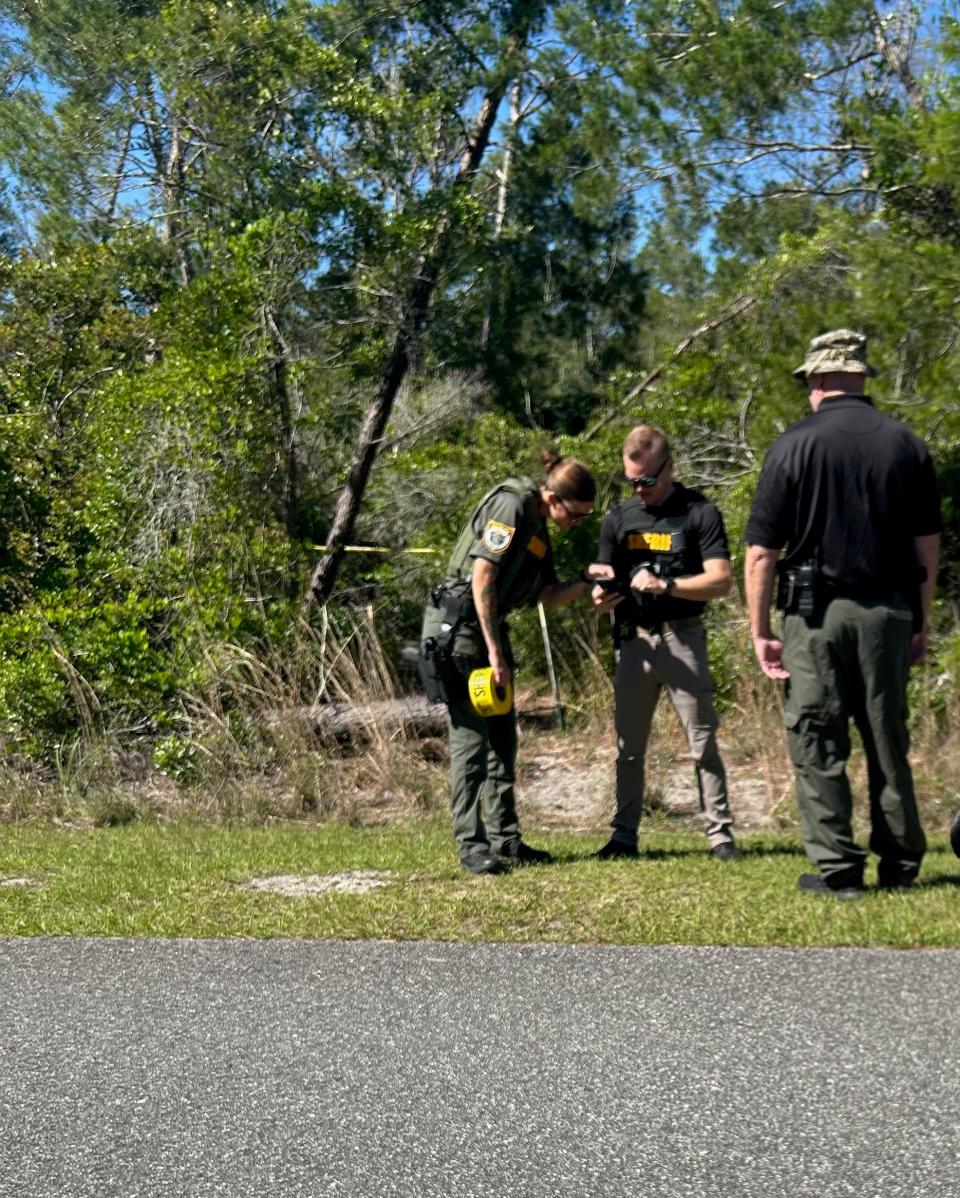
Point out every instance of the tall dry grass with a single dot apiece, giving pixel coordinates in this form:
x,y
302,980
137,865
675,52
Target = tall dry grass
x,y
325,727
752,734
315,728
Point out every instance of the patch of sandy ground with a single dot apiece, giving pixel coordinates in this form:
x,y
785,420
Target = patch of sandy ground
x,y
356,881
567,783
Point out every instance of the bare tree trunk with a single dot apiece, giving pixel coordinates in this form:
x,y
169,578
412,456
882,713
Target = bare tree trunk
x,y
162,123
288,397
173,181
413,312
896,51
375,421
117,182
503,191
170,176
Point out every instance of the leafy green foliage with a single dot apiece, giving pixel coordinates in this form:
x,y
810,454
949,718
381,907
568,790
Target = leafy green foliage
x,y
85,661
212,215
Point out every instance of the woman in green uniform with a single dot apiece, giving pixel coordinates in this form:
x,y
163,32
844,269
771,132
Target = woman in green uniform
x,y
501,561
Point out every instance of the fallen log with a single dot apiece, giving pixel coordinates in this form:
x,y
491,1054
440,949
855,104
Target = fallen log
x,y
412,715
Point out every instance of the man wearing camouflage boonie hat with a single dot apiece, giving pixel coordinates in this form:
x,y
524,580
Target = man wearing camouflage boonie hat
x,y
850,497
841,352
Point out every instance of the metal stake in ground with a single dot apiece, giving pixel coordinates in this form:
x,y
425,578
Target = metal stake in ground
x,y
558,706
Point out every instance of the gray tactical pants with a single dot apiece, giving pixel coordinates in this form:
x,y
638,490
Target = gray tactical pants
x,y
852,662
676,660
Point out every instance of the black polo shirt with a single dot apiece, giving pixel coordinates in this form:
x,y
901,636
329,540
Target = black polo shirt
x,y
704,537
849,487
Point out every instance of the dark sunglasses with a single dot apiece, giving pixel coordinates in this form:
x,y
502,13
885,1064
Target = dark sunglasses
x,y
575,517
646,480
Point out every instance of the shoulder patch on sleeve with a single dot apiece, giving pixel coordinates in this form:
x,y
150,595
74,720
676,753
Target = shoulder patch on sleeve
x,y
497,536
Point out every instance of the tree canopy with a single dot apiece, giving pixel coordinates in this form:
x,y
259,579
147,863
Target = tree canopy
x,y
279,275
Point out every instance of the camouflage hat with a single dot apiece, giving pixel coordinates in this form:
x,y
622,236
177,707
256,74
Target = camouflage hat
x,y
841,352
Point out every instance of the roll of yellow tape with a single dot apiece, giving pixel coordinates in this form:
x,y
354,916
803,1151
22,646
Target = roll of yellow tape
x,y
487,698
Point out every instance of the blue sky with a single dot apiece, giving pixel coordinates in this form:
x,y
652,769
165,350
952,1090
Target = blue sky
x,y
932,14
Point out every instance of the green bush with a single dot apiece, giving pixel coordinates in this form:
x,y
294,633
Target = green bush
x,y
88,664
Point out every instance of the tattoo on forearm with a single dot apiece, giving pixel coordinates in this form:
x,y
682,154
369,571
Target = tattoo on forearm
x,y
487,613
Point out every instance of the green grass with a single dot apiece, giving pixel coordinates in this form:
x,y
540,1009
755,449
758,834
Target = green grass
x,y
185,880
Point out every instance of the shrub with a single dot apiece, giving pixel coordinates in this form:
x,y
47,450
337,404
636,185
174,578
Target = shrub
x,y
84,664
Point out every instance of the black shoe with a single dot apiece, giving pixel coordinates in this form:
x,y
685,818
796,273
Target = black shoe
x,y
480,861
895,882
892,877
520,853
615,850
816,884
955,834
726,850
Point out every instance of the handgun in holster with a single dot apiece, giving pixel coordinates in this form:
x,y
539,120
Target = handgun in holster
x,y
798,589
454,599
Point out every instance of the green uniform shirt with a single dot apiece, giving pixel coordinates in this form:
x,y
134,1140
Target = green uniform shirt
x,y
505,528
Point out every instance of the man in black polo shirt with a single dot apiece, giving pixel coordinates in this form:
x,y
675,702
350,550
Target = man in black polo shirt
x,y
850,496
667,550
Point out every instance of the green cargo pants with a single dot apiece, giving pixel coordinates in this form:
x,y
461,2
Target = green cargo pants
x,y
483,751
483,755
852,661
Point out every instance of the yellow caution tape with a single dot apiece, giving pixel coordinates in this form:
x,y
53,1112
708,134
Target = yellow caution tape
x,y
487,698
375,549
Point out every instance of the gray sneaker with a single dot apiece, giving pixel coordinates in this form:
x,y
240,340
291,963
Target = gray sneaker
x,y
816,884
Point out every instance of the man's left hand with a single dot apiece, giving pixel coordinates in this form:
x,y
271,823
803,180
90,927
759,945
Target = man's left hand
x,y
769,653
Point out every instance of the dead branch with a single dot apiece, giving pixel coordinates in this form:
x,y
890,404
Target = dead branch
x,y
896,53
732,312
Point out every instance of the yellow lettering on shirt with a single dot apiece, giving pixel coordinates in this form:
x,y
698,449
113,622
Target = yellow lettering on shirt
x,y
537,547
656,542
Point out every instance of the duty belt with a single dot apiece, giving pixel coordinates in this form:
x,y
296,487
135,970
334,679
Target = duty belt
x,y
629,631
833,590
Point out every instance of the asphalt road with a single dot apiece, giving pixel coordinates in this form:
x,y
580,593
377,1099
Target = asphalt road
x,y
285,1068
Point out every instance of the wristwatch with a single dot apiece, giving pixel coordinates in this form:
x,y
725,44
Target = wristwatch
x,y
669,586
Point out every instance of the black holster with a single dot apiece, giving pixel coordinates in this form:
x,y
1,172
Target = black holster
x,y
799,589
454,597
647,606
442,681
432,667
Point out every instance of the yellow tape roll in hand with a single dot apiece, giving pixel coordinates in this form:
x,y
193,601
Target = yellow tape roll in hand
x,y
487,698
